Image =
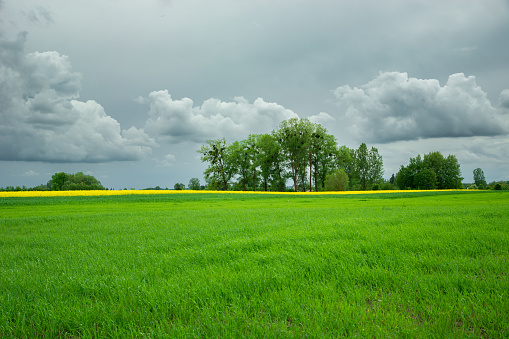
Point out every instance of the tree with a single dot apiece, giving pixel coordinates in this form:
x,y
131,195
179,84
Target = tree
x,y
221,169
479,179
194,184
241,161
421,172
178,186
294,136
392,180
80,181
367,166
74,182
271,162
425,179
337,181
57,181
376,167
323,158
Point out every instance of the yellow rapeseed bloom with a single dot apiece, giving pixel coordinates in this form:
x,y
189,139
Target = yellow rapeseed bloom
x,y
132,192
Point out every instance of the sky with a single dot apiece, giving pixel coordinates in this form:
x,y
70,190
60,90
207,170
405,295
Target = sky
x,y
128,91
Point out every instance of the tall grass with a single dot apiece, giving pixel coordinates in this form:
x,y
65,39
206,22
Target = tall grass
x,y
224,265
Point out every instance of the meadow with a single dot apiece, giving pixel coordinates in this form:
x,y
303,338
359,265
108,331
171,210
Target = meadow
x,y
400,265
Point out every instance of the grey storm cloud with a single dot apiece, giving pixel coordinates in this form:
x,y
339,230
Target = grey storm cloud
x,y
180,120
394,107
40,16
42,120
504,100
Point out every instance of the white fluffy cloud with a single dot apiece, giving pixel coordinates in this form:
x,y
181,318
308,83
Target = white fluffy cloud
x,y
42,120
179,120
395,107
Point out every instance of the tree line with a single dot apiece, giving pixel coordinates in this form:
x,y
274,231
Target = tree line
x,y
298,150
64,182
311,158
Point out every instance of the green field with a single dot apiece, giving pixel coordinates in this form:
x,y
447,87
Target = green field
x,y
401,265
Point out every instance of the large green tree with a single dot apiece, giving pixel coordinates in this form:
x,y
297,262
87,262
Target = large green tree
x,y
367,167
271,162
479,179
323,156
221,168
74,182
58,181
194,184
430,172
294,136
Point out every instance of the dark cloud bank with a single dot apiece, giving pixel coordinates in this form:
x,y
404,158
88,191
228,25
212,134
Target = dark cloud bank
x,y
42,118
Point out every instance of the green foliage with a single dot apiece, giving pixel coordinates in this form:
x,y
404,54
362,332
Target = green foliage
x,y
179,186
271,162
434,171
294,136
425,179
221,167
503,185
74,182
337,181
384,265
58,181
367,167
297,150
194,184
479,178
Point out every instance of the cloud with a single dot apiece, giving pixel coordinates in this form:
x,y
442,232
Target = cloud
x,y
30,173
504,99
321,118
395,107
41,118
180,121
488,153
40,16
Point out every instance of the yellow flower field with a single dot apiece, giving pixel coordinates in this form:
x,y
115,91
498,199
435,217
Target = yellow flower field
x,y
132,192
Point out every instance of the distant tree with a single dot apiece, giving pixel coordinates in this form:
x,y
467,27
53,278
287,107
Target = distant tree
x,y
71,182
271,162
421,172
242,159
80,181
376,167
294,136
337,181
425,179
179,186
479,178
324,156
367,166
404,178
194,184
58,181
221,168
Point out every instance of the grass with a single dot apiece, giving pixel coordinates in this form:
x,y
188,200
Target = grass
x,y
430,264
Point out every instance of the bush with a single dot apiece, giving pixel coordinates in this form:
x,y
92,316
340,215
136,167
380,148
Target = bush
x,y
337,181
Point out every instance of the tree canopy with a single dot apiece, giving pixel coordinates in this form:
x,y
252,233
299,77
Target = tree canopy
x,y
70,182
298,150
433,171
